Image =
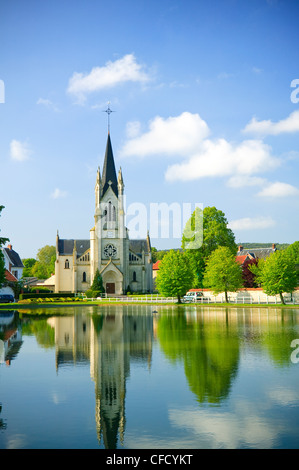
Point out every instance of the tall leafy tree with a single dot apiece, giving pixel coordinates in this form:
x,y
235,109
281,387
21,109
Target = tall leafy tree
x,y
45,264
175,275
277,274
293,252
223,273
28,265
204,232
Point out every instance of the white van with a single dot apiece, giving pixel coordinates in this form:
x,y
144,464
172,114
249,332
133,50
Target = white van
x,y
192,296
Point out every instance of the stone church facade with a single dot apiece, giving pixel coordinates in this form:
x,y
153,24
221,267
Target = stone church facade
x,y
124,264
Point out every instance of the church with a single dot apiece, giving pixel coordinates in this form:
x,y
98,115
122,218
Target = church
x,y
124,264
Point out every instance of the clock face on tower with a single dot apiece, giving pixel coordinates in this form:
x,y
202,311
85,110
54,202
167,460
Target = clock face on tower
x,y
110,251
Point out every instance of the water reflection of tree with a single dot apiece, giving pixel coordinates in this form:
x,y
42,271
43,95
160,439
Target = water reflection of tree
x,y
274,333
208,349
43,332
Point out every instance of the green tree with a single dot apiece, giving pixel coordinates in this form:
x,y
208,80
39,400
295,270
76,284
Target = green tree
x,y
158,254
293,253
2,269
2,262
277,274
223,273
28,265
209,229
45,264
97,287
175,275
154,252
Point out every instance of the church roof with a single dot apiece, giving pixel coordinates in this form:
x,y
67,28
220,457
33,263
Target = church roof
x,y
66,247
109,173
139,245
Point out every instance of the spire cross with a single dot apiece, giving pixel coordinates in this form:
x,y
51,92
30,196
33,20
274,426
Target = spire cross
x,y
108,111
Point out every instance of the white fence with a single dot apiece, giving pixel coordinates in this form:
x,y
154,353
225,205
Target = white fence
x,y
241,297
147,299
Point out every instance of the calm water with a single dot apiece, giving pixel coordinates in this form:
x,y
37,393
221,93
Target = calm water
x,y
149,377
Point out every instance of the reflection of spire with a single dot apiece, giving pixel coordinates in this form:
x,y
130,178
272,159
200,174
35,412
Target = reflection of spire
x,y
109,340
120,339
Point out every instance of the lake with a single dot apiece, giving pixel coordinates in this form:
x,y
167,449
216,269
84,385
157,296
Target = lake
x,y
149,377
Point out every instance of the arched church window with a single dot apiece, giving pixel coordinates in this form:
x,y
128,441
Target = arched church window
x,y
67,264
109,215
111,212
134,276
84,277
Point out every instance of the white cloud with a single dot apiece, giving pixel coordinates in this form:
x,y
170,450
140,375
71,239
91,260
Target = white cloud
x,y
48,104
222,158
252,223
240,181
133,129
19,151
111,74
279,190
227,429
186,136
180,135
58,193
267,127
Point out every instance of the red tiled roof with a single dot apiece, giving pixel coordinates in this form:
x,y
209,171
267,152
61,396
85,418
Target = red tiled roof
x,y
241,259
156,265
10,277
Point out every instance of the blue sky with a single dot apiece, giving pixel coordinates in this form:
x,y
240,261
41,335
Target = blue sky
x,y
206,101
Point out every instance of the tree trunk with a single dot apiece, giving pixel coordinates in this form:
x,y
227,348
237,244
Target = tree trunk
x,y
281,298
179,299
226,297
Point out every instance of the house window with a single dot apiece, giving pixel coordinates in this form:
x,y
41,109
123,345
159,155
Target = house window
x,y
84,277
66,264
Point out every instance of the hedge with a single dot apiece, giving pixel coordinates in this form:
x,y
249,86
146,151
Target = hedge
x,y
41,295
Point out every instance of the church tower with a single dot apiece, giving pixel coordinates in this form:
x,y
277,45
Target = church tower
x,y
109,245
124,264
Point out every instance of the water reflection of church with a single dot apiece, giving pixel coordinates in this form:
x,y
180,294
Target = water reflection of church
x,y
109,342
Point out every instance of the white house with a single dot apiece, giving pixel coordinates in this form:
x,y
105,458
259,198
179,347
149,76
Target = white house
x,y
13,262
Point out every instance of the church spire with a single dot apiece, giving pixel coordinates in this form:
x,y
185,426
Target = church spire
x,y
109,174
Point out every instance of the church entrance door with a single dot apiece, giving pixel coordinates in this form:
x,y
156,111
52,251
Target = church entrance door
x,y
110,288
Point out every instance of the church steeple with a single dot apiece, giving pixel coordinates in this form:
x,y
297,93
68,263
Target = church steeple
x,y
109,173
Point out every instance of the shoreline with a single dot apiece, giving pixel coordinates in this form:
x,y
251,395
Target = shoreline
x,y
17,306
